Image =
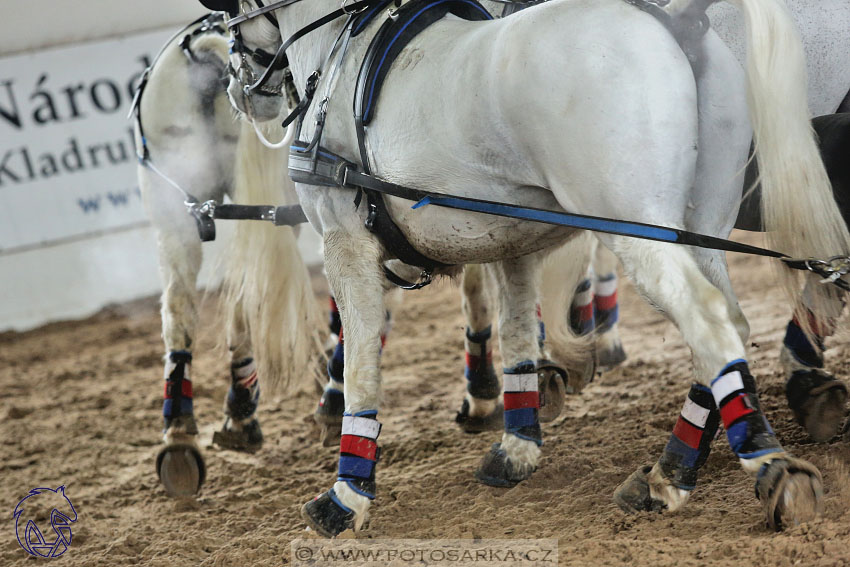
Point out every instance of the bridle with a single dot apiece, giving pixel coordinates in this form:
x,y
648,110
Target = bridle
x,y
249,83
244,74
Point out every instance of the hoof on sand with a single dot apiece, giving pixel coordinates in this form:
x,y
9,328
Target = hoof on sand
x,y
818,401
633,495
497,470
552,384
181,469
791,492
249,439
326,517
494,421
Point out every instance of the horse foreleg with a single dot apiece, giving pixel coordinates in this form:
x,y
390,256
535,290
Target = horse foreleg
x,y
516,457
790,489
481,409
180,465
356,278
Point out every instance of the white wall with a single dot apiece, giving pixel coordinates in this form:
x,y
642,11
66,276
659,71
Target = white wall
x,y
36,24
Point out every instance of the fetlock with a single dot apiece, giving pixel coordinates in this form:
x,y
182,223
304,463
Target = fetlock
x,y
177,410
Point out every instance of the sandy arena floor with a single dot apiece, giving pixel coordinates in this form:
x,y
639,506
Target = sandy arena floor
x,y
81,405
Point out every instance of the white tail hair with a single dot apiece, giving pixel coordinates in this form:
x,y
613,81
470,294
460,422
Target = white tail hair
x,y
563,269
799,212
266,282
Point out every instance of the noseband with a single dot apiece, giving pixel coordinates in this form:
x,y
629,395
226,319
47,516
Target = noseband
x,y
279,60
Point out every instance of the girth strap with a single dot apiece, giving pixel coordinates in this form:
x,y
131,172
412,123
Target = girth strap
x,y
322,167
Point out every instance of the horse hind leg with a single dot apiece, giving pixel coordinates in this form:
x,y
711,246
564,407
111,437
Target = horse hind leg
x,y
789,489
180,464
241,430
331,407
817,398
481,409
609,345
516,457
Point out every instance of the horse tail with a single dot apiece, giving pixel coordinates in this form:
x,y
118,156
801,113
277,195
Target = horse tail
x,y
267,297
563,269
799,211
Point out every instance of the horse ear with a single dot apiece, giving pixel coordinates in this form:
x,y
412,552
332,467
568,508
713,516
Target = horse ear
x,y
229,6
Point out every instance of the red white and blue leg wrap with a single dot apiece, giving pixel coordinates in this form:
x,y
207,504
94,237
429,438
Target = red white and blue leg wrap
x,y
582,321
481,379
177,400
358,452
522,402
799,345
606,310
747,429
244,394
690,443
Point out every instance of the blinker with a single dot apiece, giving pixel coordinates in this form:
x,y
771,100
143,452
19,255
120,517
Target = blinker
x,y
229,6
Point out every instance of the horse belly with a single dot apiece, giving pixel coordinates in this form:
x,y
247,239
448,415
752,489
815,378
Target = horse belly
x,y
461,237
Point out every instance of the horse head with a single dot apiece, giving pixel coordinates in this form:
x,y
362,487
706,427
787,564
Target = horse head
x,y
256,73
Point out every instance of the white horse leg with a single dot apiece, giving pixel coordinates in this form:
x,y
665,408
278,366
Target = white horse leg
x,y
356,278
609,346
582,320
179,464
515,458
789,489
481,409
816,397
329,412
241,430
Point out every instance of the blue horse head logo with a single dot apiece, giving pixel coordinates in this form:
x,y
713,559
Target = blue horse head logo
x,y
61,515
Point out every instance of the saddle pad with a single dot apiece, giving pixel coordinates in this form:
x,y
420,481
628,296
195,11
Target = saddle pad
x,y
395,33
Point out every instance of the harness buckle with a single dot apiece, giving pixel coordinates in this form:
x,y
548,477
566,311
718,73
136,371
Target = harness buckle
x,y
371,216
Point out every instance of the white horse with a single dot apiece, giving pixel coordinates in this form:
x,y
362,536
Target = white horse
x,y
651,144
192,139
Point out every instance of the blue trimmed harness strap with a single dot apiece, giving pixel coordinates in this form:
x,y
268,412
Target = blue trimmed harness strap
x,y
394,35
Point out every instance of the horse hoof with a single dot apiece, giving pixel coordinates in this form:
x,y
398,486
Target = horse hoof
x,y
496,469
611,356
249,439
791,492
490,422
551,383
328,416
633,495
181,470
326,517
818,401
579,377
